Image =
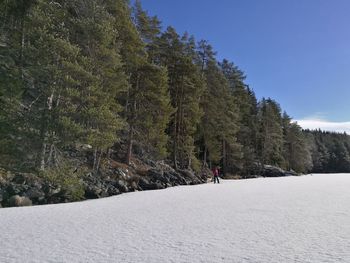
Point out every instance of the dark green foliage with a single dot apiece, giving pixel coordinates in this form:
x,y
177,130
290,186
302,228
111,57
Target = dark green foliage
x,y
147,102
220,120
270,144
186,87
247,109
66,178
330,151
296,153
95,72
69,78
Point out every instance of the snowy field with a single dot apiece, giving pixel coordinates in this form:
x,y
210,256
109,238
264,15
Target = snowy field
x,y
294,219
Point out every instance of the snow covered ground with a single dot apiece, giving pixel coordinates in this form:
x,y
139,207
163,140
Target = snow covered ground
x,y
294,219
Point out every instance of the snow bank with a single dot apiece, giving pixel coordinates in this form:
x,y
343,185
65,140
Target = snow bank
x,y
294,219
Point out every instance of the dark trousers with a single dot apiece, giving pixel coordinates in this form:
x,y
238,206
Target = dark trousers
x,y
216,178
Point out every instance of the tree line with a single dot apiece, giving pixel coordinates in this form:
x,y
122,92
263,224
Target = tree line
x,y
96,72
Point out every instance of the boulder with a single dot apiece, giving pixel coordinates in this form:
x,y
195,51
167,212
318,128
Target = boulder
x,y
35,194
190,177
274,171
122,186
17,200
156,175
92,192
146,184
113,191
291,173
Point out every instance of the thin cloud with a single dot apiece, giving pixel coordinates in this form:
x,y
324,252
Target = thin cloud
x,y
325,125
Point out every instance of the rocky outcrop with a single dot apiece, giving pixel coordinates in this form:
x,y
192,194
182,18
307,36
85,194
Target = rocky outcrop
x,y
147,176
22,189
274,171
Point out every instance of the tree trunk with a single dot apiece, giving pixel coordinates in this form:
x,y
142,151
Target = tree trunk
x,y
132,120
127,99
181,127
42,158
22,47
45,132
129,151
189,161
95,160
108,153
98,162
49,159
175,144
175,135
205,157
223,157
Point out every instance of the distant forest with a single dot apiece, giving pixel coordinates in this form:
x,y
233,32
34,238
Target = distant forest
x,y
97,72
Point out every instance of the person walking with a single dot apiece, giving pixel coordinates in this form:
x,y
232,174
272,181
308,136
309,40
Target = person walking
x,y
216,174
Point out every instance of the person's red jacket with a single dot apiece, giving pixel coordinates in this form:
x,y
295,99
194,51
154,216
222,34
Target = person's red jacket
x,y
216,172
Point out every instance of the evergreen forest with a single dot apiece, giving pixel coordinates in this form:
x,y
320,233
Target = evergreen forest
x,y
96,73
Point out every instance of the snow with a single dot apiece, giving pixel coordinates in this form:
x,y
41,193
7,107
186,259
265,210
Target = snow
x,y
293,219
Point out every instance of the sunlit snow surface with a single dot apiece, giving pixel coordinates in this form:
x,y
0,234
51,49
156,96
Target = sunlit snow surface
x,y
294,219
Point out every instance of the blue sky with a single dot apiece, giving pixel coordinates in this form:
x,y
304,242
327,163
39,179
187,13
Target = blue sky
x,y
295,51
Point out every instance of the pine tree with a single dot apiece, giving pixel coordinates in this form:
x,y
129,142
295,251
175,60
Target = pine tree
x,y
270,133
296,154
149,28
329,151
147,104
42,51
92,29
68,93
185,87
245,101
220,121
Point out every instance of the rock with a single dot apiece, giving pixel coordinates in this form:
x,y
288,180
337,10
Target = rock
x,y
36,195
291,173
17,200
175,178
145,184
190,177
150,162
104,193
273,171
90,193
122,172
161,165
156,175
51,190
122,186
133,186
86,147
113,191
114,177
16,189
